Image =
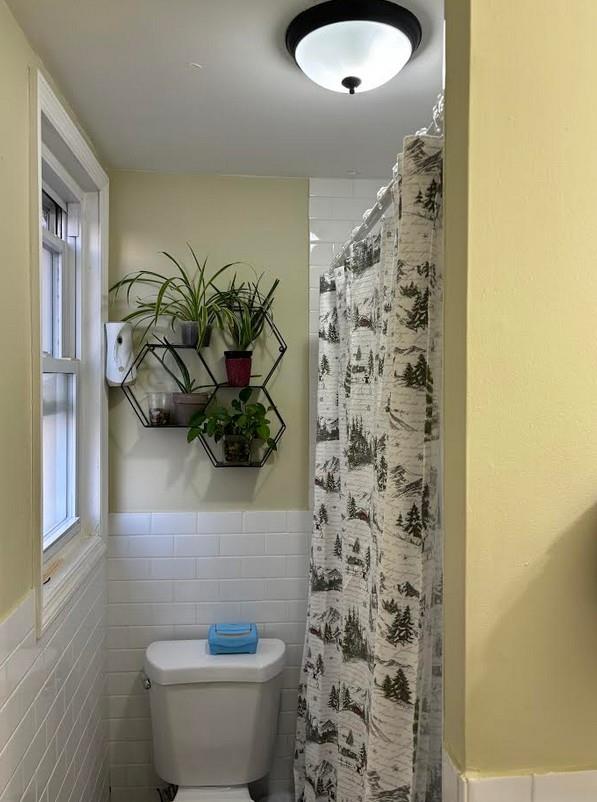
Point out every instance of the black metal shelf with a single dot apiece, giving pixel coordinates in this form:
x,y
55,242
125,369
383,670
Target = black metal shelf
x,y
207,445
215,387
147,350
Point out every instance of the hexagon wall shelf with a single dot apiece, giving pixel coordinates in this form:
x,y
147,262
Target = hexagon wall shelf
x,y
215,388
212,449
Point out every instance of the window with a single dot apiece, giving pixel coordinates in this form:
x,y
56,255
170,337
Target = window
x,y
70,409
61,347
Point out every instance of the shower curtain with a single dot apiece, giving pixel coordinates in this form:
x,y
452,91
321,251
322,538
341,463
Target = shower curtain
x,y
370,707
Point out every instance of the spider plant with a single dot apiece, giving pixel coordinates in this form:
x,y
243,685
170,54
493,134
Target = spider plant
x,y
188,401
183,379
248,307
189,295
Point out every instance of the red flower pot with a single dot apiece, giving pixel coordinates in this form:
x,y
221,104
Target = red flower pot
x,y
238,367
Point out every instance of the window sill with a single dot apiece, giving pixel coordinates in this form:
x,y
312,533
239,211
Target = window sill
x,y
77,561
57,539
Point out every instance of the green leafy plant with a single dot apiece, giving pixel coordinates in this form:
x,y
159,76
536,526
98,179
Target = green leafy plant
x,y
248,309
189,295
244,419
183,379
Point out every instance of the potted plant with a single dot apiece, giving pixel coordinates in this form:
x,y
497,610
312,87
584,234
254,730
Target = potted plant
x,y
239,427
248,308
188,401
189,297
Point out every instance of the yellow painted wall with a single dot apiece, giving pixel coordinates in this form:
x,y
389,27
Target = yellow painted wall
x,y
16,545
263,221
528,388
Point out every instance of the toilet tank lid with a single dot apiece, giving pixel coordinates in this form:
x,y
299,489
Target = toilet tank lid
x,y
181,662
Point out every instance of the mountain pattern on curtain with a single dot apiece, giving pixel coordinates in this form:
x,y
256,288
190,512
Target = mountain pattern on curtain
x,y
369,708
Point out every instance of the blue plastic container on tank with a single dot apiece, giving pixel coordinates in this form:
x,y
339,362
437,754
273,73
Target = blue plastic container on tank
x,y
233,638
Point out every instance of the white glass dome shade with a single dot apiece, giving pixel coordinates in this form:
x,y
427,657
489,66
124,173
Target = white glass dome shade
x,y
353,46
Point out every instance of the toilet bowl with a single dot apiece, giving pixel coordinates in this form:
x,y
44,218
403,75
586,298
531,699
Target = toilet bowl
x,y
214,717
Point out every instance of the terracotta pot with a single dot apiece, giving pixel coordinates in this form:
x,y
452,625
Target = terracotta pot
x,y
237,449
238,367
187,404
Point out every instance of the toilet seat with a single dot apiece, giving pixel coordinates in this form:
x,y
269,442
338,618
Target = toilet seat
x,y
234,793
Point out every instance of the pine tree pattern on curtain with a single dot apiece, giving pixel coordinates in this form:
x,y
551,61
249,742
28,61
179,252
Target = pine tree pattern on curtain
x,y
369,723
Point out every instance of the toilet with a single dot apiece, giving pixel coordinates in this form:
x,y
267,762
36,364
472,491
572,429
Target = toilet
x,y
214,717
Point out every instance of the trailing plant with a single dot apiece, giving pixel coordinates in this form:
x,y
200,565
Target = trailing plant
x,y
244,419
183,379
248,307
189,295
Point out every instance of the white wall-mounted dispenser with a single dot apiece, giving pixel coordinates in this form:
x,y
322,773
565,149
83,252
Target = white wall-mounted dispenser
x,y
119,353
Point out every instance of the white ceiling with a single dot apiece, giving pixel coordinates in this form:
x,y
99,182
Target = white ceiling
x,y
124,66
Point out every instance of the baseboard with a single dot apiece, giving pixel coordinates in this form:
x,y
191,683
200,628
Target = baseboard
x,y
573,786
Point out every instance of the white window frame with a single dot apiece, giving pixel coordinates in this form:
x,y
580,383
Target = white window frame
x,y
67,340
63,160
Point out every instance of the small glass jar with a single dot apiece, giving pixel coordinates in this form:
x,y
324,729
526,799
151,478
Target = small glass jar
x,y
159,405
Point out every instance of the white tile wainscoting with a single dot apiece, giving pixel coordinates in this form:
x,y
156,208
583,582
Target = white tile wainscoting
x,y
52,701
170,575
573,786
336,206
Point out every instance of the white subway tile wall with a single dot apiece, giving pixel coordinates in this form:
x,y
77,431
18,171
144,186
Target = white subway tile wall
x,y
571,786
169,577
496,789
449,780
336,206
53,744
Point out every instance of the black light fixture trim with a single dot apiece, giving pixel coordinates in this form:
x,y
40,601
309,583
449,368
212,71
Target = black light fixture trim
x,y
334,11
351,82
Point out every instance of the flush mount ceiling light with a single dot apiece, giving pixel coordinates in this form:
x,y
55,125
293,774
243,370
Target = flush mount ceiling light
x,y
353,45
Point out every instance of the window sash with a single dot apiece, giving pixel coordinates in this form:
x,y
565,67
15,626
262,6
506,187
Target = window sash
x,y
52,212
57,535
63,475
51,364
63,296
61,315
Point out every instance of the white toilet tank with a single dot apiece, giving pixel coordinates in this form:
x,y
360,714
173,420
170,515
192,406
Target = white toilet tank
x,y
214,717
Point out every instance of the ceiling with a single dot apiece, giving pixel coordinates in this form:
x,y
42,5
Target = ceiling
x,y
125,66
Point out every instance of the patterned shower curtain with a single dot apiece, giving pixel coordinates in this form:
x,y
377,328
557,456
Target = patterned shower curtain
x,y
370,706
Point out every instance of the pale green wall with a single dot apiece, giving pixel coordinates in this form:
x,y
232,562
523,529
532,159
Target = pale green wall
x,y
20,494
263,221
16,542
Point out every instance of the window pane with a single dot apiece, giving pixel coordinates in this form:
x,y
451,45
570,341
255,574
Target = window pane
x,y
54,297
51,215
47,301
58,451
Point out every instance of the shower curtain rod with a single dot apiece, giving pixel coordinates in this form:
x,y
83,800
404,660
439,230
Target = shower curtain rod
x,y
385,194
